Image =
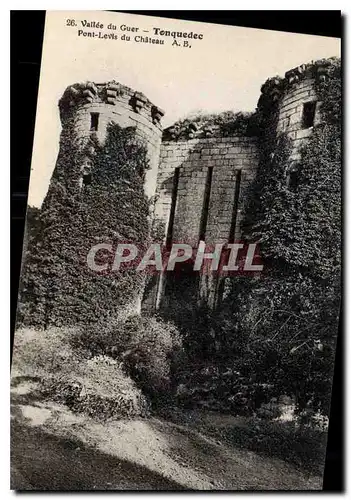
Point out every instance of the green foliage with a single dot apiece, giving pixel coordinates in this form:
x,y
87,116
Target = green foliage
x,y
224,124
58,288
84,394
301,227
304,447
289,315
228,387
193,322
148,348
290,337
97,386
40,354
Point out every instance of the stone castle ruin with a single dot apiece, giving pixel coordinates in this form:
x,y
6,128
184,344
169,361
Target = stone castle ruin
x,y
199,171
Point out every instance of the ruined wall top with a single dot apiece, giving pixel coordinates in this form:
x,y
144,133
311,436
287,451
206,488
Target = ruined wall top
x,y
243,124
109,93
274,88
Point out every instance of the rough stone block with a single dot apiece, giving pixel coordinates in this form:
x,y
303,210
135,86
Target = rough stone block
x,y
301,134
295,117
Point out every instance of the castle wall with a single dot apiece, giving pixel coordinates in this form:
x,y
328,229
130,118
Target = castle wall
x,y
193,158
200,177
225,157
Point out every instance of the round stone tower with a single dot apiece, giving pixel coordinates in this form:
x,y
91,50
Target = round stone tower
x,y
86,110
99,195
298,108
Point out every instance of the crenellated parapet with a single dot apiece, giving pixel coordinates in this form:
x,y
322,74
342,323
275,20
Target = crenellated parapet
x,y
275,88
211,126
292,102
110,94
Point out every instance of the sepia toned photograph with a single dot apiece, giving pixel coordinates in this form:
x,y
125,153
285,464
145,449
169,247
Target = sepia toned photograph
x,y
180,288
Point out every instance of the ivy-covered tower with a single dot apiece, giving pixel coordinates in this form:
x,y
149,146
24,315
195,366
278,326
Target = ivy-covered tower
x,y
87,111
100,192
298,183
294,212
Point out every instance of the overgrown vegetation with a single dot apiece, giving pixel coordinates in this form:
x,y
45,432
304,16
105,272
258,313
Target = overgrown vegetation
x,y
109,369
57,287
302,446
97,386
148,348
288,317
224,124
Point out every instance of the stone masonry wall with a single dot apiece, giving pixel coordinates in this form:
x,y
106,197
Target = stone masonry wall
x,y
194,158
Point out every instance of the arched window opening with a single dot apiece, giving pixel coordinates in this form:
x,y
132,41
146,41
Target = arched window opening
x,y
86,173
87,178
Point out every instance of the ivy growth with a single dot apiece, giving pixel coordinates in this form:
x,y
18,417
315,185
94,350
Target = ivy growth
x,y
58,288
289,316
201,125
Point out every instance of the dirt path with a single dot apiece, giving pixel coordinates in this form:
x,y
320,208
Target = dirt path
x,y
44,462
52,448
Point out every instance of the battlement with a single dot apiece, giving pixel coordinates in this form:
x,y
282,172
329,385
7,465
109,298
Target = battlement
x,y
276,87
110,93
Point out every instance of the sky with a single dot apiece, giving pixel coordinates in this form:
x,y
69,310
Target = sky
x,y
222,71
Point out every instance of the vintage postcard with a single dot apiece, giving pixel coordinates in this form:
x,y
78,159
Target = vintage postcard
x,y
181,278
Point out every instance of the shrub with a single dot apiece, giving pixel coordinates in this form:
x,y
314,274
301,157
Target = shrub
x,y
302,446
152,355
99,389
227,388
109,337
147,346
97,386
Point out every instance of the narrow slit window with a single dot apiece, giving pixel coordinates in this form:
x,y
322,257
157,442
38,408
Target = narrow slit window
x,y
308,114
235,206
94,122
173,207
206,204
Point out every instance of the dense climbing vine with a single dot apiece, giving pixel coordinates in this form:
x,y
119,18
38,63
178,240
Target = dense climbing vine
x,y
58,288
288,318
301,226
